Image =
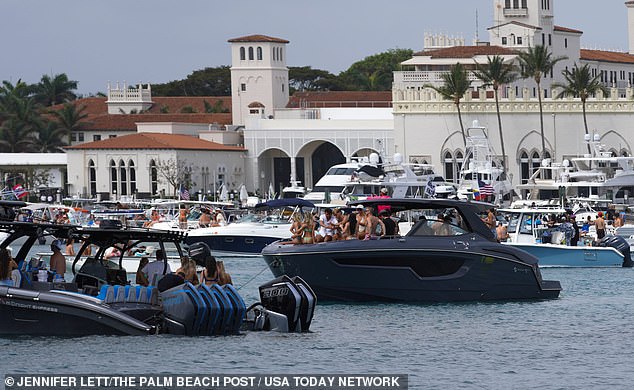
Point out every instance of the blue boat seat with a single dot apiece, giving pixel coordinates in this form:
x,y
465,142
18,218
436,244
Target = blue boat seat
x,y
130,295
119,293
109,294
103,291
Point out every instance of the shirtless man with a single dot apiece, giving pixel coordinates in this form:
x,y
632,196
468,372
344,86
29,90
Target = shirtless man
x,y
599,223
58,261
205,218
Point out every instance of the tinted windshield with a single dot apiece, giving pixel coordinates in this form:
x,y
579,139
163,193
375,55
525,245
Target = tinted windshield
x,y
340,171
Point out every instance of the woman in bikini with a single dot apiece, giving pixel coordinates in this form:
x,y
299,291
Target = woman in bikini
x,y
308,225
209,275
362,223
297,229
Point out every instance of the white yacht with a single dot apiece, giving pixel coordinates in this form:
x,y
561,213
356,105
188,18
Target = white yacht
x,y
329,189
595,176
481,172
402,180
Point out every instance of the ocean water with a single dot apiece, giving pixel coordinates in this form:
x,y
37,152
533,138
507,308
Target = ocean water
x,y
584,339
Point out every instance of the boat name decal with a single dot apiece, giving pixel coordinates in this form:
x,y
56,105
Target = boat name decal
x,y
6,302
524,270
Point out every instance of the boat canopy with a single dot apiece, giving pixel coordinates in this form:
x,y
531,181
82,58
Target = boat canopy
x,y
280,203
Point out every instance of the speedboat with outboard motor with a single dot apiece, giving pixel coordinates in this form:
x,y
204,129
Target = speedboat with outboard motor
x,y
529,231
249,235
455,258
100,300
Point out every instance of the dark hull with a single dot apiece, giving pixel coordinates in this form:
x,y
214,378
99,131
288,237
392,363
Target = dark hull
x,y
411,270
51,314
249,245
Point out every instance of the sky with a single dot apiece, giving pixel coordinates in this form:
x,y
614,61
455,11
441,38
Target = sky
x,y
156,41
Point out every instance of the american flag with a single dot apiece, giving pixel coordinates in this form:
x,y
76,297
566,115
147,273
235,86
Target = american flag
x,y
184,193
485,189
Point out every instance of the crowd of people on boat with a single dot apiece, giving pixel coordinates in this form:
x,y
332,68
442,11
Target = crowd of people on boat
x,y
159,272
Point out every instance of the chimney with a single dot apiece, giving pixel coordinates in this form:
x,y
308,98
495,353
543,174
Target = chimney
x,y
630,25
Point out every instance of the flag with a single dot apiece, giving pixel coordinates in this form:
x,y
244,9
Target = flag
x,y
184,193
430,189
485,189
19,191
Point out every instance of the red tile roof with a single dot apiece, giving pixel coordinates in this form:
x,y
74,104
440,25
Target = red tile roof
x,y
156,141
258,38
99,119
606,56
466,52
566,29
340,99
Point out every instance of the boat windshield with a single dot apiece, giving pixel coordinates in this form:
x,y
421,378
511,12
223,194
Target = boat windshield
x,y
340,171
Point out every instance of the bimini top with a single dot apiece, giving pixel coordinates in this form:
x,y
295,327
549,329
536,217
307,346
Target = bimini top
x,y
279,203
469,210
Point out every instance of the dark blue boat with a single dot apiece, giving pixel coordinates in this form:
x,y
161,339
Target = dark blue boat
x,y
448,260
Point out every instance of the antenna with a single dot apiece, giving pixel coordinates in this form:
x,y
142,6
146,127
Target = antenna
x,y
477,35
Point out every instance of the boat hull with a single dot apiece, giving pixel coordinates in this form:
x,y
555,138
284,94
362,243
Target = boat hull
x,y
51,314
237,245
403,271
550,255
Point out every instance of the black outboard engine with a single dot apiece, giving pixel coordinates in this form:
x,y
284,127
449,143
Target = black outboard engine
x,y
287,306
199,252
620,244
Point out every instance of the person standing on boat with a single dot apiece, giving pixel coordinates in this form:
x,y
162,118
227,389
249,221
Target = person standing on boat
x,y
491,221
575,237
375,225
58,261
391,227
297,229
599,224
327,225
182,218
361,223
502,233
205,218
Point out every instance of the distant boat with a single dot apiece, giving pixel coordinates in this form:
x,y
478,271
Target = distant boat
x,y
481,175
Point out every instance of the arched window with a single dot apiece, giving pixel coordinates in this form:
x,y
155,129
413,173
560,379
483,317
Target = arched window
x,y
536,162
274,55
132,175
92,178
243,55
113,177
449,167
259,52
153,177
123,177
547,173
250,53
281,54
459,162
525,171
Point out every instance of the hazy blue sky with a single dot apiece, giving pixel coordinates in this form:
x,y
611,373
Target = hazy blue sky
x,y
155,41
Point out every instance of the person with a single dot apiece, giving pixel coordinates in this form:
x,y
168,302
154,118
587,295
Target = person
x,y
567,228
327,223
209,275
442,227
376,227
574,241
141,279
618,221
599,223
184,265
220,218
223,276
154,218
308,228
7,265
491,221
296,229
383,194
70,249
190,272
205,218
58,261
343,226
362,223
156,267
502,232
182,218
611,213
391,228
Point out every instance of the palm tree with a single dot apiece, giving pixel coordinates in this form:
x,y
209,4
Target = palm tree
x,y
580,83
16,136
456,83
69,118
57,90
535,62
495,73
50,139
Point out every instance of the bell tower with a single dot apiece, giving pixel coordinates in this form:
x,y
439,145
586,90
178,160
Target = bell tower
x,y
259,76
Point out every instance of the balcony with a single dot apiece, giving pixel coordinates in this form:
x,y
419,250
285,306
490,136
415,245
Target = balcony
x,y
515,12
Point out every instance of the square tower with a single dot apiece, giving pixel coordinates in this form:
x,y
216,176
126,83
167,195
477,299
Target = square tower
x,y
259,76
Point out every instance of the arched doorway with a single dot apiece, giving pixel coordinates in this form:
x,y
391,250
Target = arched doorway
x,y
275,170
317,157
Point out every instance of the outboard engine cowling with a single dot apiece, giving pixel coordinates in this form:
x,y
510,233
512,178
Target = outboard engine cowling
x,y
281,295
309,300
620,244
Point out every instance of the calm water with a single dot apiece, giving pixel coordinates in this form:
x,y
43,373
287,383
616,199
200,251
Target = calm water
x,y
585,339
